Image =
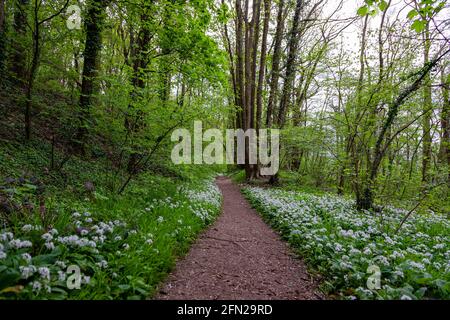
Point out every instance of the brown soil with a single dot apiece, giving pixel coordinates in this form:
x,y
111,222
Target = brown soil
x,y
239,257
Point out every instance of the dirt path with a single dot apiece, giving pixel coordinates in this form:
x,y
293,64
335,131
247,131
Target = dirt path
x,y
239,257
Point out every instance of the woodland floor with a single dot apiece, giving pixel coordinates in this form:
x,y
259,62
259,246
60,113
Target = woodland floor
x,y
239,257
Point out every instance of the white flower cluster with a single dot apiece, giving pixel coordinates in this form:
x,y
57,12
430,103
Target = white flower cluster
x,y
88,235
210,194
205,203
332,233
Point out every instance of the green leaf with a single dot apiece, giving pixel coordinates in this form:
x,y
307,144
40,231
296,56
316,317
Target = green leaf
x,y
383,5
363,11
30,186
8,278
47,258
418,26
412,14
420,293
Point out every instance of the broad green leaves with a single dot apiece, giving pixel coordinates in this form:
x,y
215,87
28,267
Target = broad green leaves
x,y
419,25
363,11
383,5
420,16
426,11
371,7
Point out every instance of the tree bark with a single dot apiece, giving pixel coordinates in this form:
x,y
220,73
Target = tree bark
x,y
290,65
427,104
240,76
275,65
140,61
92,49
445,121
36,33
19,56
262,64
363,199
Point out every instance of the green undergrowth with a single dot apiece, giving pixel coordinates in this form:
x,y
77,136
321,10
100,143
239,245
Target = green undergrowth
x,y
362,255
66,233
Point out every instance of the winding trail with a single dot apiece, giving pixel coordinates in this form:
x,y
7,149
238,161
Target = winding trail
x,y
239,257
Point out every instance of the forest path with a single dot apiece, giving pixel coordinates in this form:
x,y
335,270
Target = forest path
x,y
239,257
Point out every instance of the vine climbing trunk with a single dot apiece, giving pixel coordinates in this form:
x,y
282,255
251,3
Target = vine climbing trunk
x,y
19,53
92,49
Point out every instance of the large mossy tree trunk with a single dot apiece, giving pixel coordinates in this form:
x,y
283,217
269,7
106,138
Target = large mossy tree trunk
x,y
92,49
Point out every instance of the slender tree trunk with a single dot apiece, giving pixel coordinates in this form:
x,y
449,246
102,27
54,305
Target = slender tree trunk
x,y
384,140
262,64
227,42
427,105
290,65
19,56
240,76
363,189
31,75
275,65
445,121
253,169
254,52
135,123
249,28
290,72
32,72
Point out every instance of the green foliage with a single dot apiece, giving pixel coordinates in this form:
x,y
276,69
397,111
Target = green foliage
x,y
419,16
124,245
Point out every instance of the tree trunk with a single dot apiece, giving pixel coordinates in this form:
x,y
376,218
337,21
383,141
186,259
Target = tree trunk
x,y
384,141
353,147
427,105
262,64
249,29
227,42
254,52
364,199
92,49
445,121
19,56
140,60
275,65
290,65
240,76
32,72
2,39
36,33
